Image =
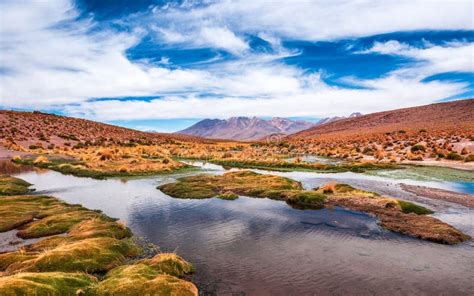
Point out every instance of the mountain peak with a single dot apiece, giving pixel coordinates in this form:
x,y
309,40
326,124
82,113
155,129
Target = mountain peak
x,y
245,128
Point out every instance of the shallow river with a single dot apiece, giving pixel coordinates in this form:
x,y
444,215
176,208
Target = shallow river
x,y
255,246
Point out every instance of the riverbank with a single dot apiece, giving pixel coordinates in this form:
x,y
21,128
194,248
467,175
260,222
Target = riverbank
x,y
230,241
82,169
396,215
80,251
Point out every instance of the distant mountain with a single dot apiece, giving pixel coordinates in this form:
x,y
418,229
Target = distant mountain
x,y
336,118
245,128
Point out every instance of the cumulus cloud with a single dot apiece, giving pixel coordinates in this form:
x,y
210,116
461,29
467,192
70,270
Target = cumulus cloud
x,y
49,57
52,59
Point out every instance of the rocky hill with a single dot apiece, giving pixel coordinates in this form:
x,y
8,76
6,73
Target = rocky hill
x,y
245,128
37,128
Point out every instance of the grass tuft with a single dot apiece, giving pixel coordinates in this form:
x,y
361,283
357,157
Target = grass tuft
x,y
409,207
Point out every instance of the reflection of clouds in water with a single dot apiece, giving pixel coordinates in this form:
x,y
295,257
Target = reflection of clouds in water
x,y
261,246
218,222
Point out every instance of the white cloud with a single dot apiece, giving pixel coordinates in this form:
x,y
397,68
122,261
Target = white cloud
x,y
54,59
322,20
50,59
323,100
213,37
222,38
432,59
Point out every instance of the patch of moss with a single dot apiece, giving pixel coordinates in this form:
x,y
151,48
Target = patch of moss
x,y
139,280
305,199
86,242
13,180
48,283
13,186
344,188
155,276
409,207
99,228
169,263
7,259
239,183
189,187
55,224
233,184
228,195
89,255
292,166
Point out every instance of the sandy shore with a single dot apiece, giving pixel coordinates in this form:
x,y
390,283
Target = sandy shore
x,y
466,200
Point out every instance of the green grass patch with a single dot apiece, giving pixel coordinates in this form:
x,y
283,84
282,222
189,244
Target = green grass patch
x,y
13,186
156,276
409,207
311,167
48,283
88,242
228,196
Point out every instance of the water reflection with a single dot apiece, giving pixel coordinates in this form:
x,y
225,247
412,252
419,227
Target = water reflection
x,y
8,167
263,247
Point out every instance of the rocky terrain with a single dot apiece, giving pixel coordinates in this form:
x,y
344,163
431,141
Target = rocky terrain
x,y
251,129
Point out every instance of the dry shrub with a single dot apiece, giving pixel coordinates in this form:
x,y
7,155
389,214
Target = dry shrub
x,y
329,188
41,159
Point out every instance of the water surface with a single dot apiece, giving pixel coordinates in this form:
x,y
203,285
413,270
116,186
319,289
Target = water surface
x,y
253,246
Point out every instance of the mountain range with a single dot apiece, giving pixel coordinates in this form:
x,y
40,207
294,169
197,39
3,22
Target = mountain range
x,y
251,128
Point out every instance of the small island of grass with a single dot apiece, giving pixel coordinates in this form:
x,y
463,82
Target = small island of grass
x,y
396,215
13,186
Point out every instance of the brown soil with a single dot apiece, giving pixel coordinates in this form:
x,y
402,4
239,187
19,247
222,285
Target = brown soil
x,y
466,200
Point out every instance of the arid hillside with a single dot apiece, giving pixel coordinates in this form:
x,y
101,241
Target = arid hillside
x,y
431,134
434,118
42,129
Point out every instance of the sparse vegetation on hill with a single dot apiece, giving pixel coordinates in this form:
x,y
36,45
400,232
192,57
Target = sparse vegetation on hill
x,y
36,130
436,132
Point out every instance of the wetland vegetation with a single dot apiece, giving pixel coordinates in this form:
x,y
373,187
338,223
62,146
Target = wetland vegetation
x,y
396,215
76,248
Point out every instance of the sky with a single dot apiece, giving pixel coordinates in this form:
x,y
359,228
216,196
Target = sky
x,y
164,65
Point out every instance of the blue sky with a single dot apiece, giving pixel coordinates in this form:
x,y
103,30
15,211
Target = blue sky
x,y
161,65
